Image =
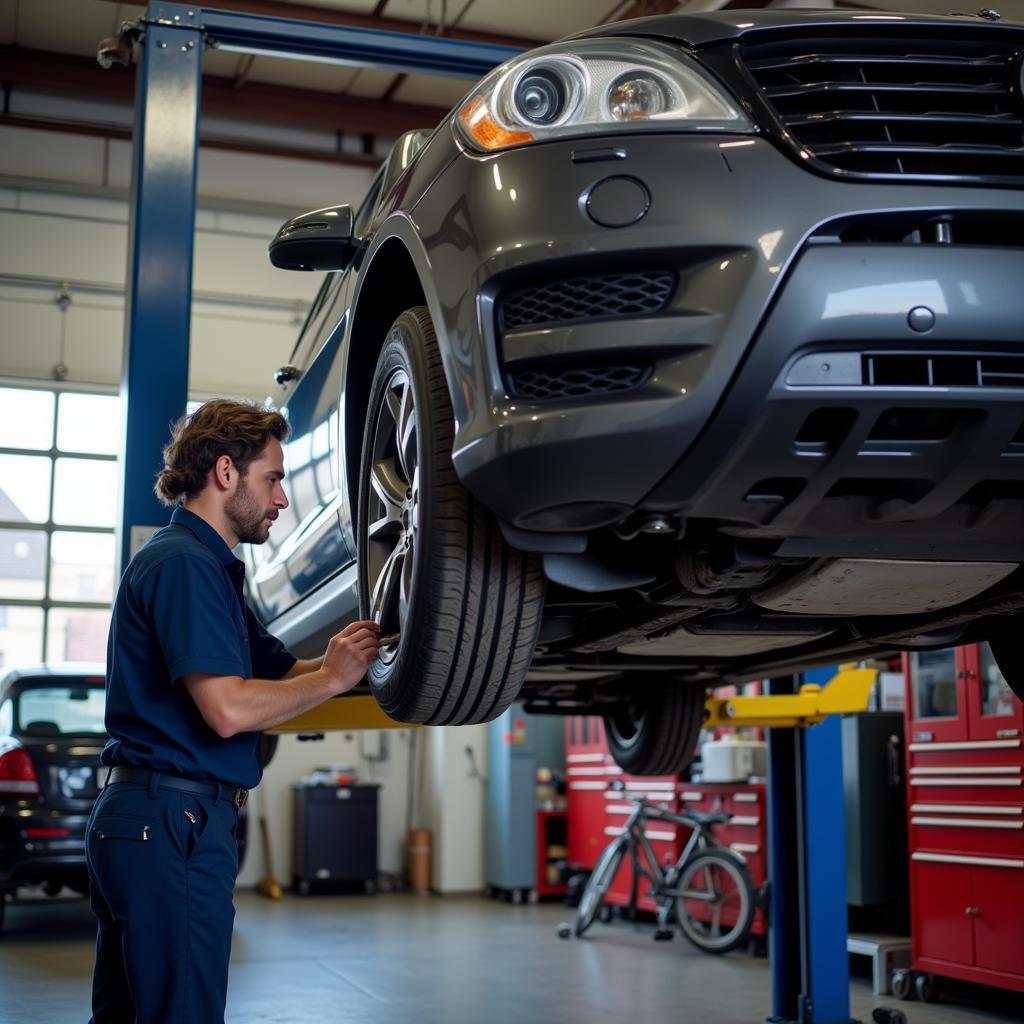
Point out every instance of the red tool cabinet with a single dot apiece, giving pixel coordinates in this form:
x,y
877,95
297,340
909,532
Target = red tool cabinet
x,y
965,796
596,814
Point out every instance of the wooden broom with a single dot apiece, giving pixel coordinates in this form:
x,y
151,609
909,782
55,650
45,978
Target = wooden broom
x,y
268,885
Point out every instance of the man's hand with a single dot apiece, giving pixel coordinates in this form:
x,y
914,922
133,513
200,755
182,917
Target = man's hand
x,y
349,655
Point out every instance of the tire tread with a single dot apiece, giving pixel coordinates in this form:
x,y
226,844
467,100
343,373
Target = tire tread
x,y
482,613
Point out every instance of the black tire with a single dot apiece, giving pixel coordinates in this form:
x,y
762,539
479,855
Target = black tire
x,y
654,731
436,570
1009,653
598,884
720,880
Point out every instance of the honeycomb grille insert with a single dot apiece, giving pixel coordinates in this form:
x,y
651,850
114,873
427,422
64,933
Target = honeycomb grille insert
x,y
899,103
578,382
594,297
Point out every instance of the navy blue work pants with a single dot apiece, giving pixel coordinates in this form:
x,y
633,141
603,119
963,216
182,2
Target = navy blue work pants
x,y
162,867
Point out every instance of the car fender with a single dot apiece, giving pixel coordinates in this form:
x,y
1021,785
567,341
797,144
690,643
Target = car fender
x,y
378,299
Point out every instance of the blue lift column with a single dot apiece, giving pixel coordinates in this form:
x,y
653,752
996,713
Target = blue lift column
x,y
807,868
154,378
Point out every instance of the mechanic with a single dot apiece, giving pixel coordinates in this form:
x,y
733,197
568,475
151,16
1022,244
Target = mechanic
x,y
192,678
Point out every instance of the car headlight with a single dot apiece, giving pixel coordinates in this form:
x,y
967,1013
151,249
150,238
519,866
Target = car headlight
x,y
590,87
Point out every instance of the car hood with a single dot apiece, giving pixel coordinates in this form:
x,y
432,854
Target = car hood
x,y
723,26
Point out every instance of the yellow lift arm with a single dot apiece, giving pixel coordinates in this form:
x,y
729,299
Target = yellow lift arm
x,y
847,692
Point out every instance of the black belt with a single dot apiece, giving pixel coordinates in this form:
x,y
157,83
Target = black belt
x,y
145,777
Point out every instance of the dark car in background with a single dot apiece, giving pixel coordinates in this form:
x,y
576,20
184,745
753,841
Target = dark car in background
x,y
51,736
685,351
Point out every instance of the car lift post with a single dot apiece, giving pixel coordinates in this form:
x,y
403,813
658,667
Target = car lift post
x,y
158,308
807,871
806,835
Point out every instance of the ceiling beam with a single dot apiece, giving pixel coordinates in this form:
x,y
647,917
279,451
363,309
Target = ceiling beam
x,y
256,147
258,101
330,16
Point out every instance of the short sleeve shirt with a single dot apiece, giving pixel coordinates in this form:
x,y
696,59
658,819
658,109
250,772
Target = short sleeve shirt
x,y
180,608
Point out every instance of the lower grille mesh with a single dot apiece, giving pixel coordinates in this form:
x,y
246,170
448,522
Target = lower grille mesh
x,y
591,297
578,382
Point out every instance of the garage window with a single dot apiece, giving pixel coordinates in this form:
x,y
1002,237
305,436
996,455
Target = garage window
x,y
58,504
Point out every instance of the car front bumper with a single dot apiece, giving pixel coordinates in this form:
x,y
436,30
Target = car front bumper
x,y
745,231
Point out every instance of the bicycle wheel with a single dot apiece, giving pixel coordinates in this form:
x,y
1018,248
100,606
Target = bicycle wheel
x,y
598,884
715,901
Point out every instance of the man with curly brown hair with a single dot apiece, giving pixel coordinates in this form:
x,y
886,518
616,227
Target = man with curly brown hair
x,y
192,678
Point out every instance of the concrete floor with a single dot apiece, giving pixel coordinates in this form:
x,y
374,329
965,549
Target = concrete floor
x,y
431,960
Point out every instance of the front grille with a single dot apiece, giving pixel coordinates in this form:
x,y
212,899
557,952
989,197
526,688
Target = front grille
x,y
591,297
576,382
940,369
926,104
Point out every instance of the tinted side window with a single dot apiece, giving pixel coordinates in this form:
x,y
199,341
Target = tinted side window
x,y
301,351
364,215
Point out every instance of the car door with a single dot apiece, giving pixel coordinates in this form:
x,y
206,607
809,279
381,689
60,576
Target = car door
x,y
310,541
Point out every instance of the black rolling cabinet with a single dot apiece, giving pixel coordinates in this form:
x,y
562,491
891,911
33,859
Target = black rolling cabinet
x,y
334,837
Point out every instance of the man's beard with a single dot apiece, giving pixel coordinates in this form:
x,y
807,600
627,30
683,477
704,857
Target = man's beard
x,y
246,516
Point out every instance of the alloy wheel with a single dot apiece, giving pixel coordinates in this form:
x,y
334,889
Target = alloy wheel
x,y
392,519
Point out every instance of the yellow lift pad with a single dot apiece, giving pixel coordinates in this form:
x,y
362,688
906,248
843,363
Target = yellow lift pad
x,y
342,714
847,692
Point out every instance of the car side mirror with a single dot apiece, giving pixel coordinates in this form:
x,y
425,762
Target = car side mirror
x,y
320,240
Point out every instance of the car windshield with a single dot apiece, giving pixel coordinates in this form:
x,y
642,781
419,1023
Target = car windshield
x,y
61,709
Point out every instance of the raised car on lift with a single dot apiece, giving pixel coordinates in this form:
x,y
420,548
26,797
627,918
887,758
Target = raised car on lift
x,y
684,351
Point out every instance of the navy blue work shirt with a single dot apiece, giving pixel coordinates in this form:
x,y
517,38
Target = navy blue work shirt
x,y
180,609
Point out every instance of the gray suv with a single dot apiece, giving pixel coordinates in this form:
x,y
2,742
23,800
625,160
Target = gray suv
x,y
688,350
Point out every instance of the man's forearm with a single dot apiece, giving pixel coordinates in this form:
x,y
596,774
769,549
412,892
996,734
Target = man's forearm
x,y
232,705
264,703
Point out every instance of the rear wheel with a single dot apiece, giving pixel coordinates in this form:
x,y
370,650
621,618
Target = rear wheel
x,y
598,885
1009,653
715,905
654,731
459,608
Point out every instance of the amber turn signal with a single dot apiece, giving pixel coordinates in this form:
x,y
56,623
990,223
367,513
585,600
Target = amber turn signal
x,y
484,130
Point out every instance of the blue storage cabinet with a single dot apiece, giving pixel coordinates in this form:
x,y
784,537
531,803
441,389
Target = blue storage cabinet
x,y
517,744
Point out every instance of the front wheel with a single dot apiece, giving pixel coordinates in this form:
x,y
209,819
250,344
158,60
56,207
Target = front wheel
x,y
715,901
599,883
459,609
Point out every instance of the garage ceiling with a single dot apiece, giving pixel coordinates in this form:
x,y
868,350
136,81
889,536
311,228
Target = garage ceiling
x,y
48,47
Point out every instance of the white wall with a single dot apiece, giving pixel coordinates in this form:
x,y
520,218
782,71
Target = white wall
x,y
453,806
245,313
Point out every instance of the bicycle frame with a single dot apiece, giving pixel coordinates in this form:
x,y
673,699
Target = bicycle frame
x,y
640,850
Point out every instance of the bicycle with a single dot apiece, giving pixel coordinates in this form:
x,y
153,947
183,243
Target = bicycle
x,y
708,889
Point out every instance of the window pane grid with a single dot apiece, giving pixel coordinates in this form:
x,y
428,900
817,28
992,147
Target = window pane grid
x,y
73,608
